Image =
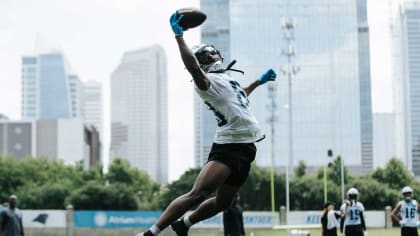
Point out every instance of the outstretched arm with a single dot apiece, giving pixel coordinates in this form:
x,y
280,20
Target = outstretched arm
x,y
248,90
269,75
190,62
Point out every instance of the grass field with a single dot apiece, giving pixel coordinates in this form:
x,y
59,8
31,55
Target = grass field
x,y
371,232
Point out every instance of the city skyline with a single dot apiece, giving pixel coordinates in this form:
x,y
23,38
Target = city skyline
x,y
87,45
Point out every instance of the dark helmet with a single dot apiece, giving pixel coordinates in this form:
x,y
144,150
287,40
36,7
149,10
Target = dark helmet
x,y
202,51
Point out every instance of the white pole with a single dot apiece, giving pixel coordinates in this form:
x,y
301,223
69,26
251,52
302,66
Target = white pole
x,y
342,178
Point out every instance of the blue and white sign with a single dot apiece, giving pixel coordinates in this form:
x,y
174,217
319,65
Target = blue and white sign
x,y
114,219
252,219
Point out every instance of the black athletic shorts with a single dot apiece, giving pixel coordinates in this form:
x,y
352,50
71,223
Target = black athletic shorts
x,y
237,156
354,230
409,231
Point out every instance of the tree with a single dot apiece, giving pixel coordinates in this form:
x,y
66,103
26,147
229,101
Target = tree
x,y
141,184
373,194
47,196
300,170
334,172
256,192
307,193
395,175
112,197
183,185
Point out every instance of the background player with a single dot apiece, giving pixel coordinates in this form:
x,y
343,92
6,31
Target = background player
x,y
408,210
352,218
233,149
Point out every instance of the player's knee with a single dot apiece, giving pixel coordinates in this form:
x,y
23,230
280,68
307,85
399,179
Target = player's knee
x,y
198,195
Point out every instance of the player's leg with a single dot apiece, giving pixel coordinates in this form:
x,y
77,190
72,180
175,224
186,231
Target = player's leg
x,y
214,205
238,158
211,177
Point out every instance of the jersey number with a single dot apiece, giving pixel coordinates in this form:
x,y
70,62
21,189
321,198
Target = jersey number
x,y
240,94
221,120
354,214
410,213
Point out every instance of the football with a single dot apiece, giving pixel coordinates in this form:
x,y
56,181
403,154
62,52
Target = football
x,y
193,17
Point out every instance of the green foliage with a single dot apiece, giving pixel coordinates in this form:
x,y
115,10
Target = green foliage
x,y
300,170
307,193
43,184
375,195
395,175
256,191
334,172
94,196
139,182
181,186
47,196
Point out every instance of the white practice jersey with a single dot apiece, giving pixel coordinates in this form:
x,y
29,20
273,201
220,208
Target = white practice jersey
x,y
230,105
408,213
353,213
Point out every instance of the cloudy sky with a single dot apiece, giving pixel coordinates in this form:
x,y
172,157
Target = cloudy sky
x,y
93,34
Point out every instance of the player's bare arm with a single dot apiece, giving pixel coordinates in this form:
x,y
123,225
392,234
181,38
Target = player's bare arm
x,y
344,214
191,63
248,90
269,75
395,212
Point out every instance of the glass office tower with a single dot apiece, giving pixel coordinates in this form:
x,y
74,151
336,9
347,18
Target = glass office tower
x,y
406,56
331,93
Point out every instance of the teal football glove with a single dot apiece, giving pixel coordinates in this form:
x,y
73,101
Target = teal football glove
x,y
174,21
269,75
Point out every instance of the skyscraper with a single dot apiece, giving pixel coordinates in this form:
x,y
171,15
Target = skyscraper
x,y
139,116
45,87
383,139
76,96
92,105
406,41
214,31
330,95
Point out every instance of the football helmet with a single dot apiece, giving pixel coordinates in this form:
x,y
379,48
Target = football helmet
x,y
407,193
352,193
205,56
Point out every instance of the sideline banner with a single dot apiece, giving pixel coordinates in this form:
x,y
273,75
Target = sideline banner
x,y
44,218
252,219
115,219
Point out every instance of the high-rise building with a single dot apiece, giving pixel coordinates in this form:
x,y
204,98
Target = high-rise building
x,y
139,116
215,31
406,57
3,117
65,139
330,95
383,138
92,105
76,96
45,87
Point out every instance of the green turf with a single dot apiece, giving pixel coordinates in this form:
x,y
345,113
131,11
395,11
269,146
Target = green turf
x,y
371,232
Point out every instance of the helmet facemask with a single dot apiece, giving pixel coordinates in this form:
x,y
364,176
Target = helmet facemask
x,y
209,57
407,193
407,196
353,197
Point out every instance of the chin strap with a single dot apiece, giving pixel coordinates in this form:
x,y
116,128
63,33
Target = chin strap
x,y
228,68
